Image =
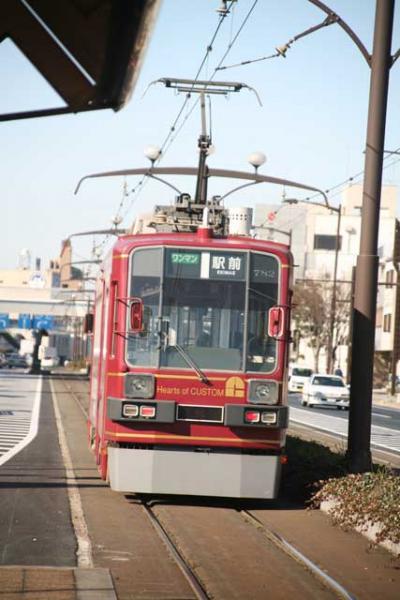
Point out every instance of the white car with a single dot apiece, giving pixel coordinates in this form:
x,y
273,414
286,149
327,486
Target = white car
x,y
326,390
298,376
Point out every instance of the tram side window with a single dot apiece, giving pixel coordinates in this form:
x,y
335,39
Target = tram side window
x,y
142,348
263,294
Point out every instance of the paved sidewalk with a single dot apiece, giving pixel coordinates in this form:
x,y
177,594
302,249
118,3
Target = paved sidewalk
x,y
48,583
384,399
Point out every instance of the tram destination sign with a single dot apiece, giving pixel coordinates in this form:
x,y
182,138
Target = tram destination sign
x,y
206,264
224,265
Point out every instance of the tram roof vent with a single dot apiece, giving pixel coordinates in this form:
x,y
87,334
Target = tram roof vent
x,y
240,220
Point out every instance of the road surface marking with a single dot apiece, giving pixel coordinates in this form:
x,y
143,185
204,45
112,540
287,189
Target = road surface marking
x,y
381,437
84,552
21,429
381,416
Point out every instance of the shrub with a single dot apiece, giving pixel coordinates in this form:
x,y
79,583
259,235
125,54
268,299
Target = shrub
x,y
363,499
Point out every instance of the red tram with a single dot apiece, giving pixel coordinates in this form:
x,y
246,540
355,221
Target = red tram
x,y
188,382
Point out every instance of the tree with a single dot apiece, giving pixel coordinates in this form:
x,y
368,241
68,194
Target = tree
x,y
311,306
311,315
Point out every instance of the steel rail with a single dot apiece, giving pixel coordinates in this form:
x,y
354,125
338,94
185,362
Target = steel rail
x,y
184,566
298,556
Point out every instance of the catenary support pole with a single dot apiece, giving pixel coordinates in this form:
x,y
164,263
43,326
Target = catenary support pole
x,y
332,316
359,452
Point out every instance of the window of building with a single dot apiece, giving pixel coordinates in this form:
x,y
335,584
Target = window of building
x,y
389,277
387,323
326,242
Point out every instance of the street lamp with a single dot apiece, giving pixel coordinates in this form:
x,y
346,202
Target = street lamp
x,y
332,314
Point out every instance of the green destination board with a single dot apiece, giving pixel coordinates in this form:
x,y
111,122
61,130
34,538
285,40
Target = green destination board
x,y
184,258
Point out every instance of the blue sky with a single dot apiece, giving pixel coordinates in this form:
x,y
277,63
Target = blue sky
x,y
311,126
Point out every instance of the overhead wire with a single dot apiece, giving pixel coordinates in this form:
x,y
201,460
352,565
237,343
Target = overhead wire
x,y
174,132
229,48
125,193
136,190
280,51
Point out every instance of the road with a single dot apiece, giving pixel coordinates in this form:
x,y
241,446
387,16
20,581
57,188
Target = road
x,y
385,422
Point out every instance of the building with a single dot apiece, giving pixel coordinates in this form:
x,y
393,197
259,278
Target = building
x,y
38,298
313,231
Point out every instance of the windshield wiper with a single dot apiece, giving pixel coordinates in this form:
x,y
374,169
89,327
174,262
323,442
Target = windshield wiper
x,y
188,359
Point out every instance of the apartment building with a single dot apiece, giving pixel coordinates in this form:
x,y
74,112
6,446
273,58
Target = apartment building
x,y
313,231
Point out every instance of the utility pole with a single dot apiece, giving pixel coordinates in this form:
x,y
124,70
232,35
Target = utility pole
x,y
350,348
363,339
332,315
396,319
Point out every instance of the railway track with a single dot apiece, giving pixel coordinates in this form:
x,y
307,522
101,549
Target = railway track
x,y
296,555
154,509
184,565
278,541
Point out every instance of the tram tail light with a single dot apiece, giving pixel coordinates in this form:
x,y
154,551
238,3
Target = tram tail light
x,y
252,416
149,412
133,411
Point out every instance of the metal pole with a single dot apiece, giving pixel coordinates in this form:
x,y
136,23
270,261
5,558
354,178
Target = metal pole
x,y
204,143
396,320
332,316
359,452
350,349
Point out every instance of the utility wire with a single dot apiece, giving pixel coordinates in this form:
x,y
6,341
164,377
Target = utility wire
x,y
353,179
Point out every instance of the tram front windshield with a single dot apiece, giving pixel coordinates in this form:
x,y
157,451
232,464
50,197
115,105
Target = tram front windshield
x,y
204,307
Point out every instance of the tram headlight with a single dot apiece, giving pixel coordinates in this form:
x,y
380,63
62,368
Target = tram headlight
x,y
139,385
262,391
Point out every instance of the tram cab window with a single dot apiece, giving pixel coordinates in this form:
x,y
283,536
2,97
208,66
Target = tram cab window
x,y
263,294
204,306
146,272
195,304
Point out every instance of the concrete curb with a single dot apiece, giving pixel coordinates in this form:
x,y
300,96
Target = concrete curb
x,y
368,529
